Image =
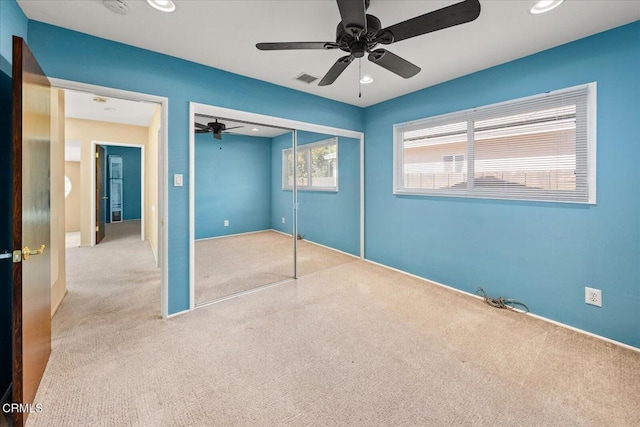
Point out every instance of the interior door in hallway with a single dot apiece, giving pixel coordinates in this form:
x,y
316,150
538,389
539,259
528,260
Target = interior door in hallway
x,y
101,196
31,312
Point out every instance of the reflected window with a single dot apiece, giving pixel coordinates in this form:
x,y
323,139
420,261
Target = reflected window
x,y
316,166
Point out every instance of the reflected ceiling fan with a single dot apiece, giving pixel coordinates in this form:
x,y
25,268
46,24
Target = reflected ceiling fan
x,y
216,127
359,33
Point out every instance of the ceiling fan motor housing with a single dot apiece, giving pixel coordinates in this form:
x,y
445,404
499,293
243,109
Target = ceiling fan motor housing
x,y
365,42
217,127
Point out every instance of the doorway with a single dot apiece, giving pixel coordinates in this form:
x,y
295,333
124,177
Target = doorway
x,y
105,104
118,192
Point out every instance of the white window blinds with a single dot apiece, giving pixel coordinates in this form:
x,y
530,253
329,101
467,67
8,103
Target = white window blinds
x,y
536,148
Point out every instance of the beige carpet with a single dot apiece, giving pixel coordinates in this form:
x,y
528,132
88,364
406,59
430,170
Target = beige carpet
x,y
355,344
228,265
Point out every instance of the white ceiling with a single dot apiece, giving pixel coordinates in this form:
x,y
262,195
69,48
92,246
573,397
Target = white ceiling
x,y
223,34
244,128
81,105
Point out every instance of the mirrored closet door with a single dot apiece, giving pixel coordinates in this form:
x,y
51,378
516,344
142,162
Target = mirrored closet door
x,y
243,220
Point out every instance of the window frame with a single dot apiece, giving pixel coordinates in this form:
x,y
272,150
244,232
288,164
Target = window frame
x,y
469,116
307,148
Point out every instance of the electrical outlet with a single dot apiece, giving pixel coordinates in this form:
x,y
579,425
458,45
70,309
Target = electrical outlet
x,y
593,296
226,222
283,220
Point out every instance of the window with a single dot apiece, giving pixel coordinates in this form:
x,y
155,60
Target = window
x,y
317,166
536,148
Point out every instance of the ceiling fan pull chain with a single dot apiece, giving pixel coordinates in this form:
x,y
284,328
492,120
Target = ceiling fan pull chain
x,y
359,77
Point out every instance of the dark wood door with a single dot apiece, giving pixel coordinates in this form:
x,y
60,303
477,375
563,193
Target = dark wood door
x,y
31,226
101,197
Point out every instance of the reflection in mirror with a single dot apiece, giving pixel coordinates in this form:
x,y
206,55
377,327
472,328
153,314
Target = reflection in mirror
x,y
328,184
243,222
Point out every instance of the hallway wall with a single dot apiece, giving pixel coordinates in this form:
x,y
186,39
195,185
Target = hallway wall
x,y
87,131
72,202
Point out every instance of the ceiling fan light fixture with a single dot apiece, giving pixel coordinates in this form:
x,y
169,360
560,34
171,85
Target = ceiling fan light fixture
x,y
543,6
365,80
162,5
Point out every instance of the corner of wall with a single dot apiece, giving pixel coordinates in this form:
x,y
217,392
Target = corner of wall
x,y
58,244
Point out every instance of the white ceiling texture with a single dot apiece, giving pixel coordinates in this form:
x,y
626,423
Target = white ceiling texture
x,y
223,34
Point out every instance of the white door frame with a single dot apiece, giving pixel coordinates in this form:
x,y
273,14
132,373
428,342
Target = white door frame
x,y
94,184
267,121
163,167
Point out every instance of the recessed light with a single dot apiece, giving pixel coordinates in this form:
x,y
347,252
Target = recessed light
x,y
543,6
255,130
162,5
365,80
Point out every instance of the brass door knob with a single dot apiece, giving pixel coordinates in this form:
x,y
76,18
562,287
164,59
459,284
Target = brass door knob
x,y
26,252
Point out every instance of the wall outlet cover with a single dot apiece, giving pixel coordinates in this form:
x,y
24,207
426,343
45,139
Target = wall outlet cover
x,y
593,296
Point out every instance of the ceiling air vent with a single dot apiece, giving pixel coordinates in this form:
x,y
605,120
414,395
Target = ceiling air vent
x,y
116,6
305,78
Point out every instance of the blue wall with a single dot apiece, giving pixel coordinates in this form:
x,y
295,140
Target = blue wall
x,y
75,56
540,253
132,183
281,201
12,22
233,177
329,218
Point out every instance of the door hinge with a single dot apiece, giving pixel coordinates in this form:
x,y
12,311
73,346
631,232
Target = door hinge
x,y
97,228
97,155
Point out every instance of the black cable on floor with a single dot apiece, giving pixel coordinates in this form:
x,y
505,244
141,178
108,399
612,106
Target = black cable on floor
x,y
500,302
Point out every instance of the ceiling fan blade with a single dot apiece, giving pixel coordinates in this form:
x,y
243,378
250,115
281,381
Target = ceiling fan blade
x,y
202,131
353,14
394,63
296,45
201,126
335,71
440,19
217,135
235,127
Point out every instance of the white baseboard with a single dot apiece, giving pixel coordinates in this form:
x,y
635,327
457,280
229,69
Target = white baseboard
x,y
600,337
59,303
330,248
179,313
281,232
319,244
232,235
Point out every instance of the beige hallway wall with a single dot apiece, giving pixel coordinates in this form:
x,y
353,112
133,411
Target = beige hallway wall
x,y
87,131
151,183
72,202
58,247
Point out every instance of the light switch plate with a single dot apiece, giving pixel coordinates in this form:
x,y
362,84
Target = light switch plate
x,y
177,180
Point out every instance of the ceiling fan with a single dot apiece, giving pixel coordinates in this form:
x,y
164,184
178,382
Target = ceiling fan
x,y
216,127
359,33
